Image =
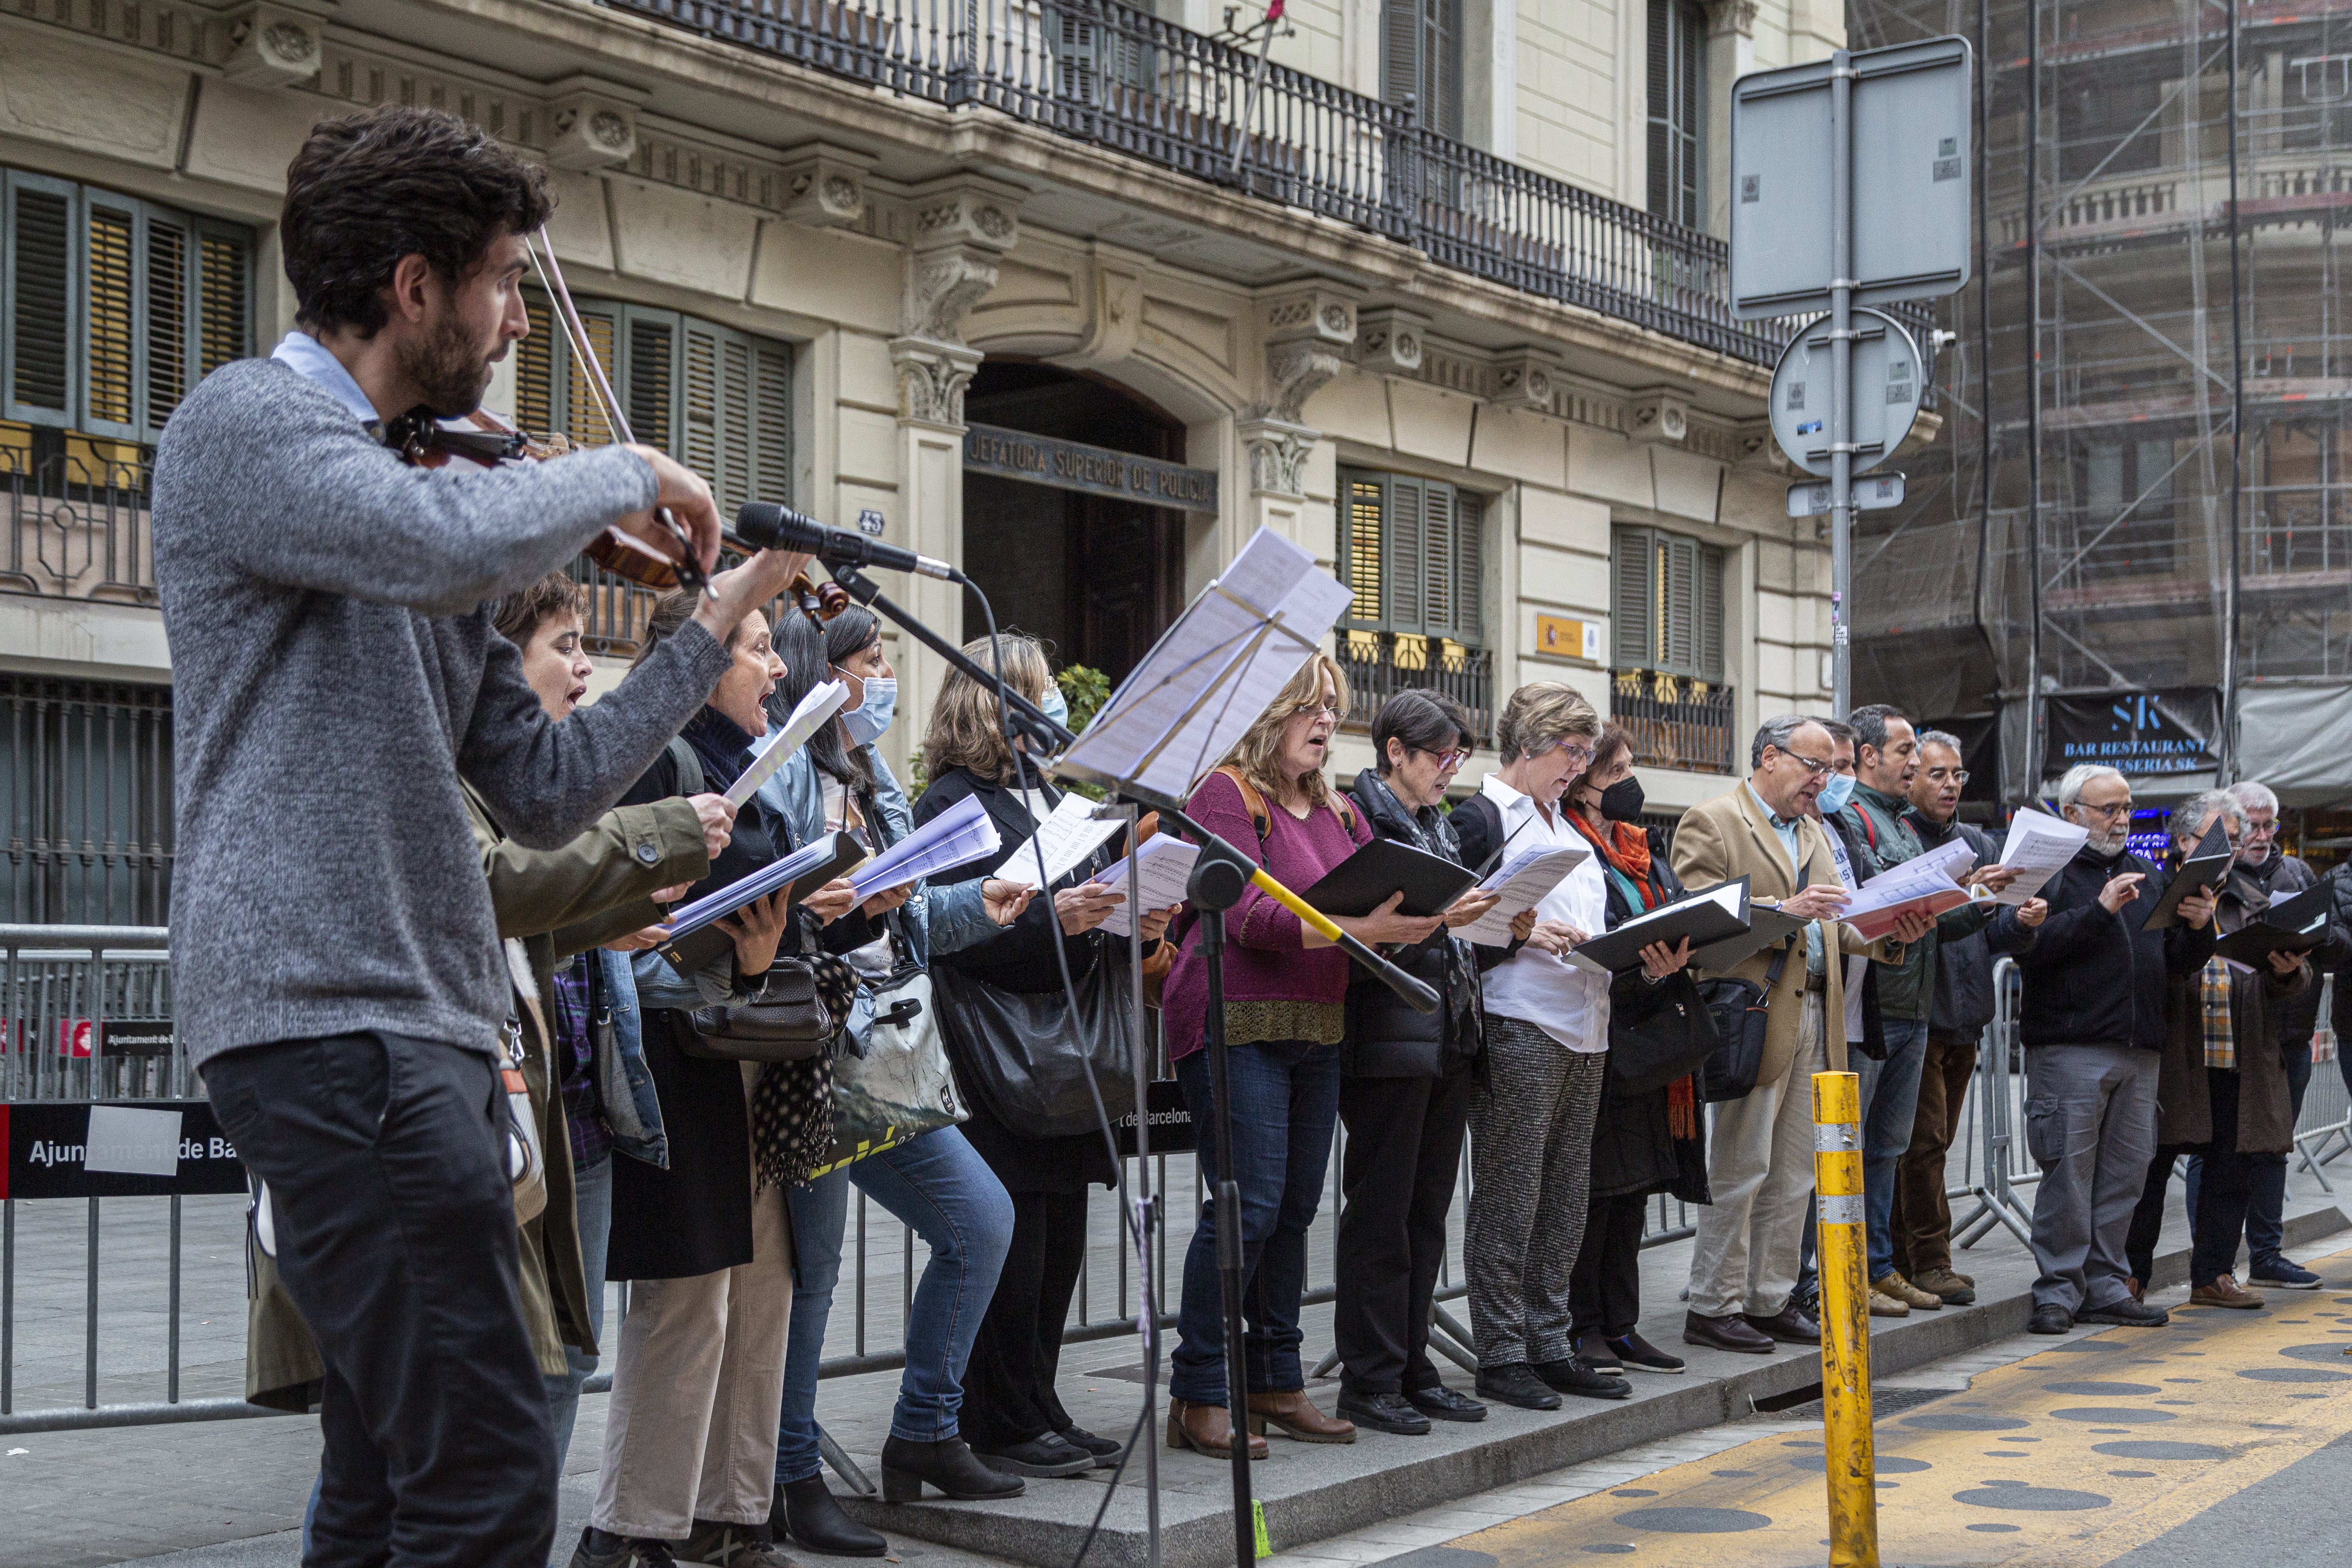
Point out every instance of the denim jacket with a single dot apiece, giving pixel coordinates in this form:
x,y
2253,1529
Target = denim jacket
x,y
624,1085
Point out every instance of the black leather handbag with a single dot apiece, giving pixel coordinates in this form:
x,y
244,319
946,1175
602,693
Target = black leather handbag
x,y
1023,1057
802,1008
1741,1016
1675,1039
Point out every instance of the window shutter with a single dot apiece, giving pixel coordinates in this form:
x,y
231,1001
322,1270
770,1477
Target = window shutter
x,y
1710,614
1441,72
771,422
1437,557
41,324
732,483
1078,56
536,380
1360,548
1408,555
225,291
1678,604
651,378
1630,634
1661,107
584,419
1469,569
111,281
1400,43
698,446
169,263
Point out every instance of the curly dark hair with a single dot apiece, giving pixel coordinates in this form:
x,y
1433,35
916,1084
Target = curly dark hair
x,y
369,189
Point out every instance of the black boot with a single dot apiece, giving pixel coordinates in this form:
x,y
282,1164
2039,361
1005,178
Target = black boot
x,y
809,1512
948,1464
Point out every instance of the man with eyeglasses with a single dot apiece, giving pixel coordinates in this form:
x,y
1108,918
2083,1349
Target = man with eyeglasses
x,y
1921,1225
1760,1154
2095,1024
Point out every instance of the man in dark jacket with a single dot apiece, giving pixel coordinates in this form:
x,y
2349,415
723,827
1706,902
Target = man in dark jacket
x,y
1405,1094
2266,871
1961,1005
2094,1024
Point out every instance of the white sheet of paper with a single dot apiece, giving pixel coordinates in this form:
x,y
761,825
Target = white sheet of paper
x,y
1068,835
130,1141
823,700
778,873
962,833
1213,672
1952,857
1167,868
2038,848
1522,879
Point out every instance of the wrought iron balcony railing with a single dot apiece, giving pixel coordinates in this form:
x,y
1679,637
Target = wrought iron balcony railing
x,y
1674,721
1378,665
1119,77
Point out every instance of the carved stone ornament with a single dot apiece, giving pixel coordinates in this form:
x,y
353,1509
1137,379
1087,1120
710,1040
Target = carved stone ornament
x,y
1316,311
1278,451
1295,372
588,129
942,286
966,210
270,48
1658,416
1389,341
1523,380
1731,16
824,186
932,377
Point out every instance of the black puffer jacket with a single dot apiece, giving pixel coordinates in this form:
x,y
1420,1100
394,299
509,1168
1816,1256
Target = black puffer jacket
x,y
1387,1038
2298,1016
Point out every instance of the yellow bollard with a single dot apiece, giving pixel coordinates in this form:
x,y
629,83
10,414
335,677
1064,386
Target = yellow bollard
x,y
1845,1322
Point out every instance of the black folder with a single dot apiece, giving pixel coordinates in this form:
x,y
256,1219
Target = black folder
x,y
2207,868
2295,925
689,950
1363,881
1698,916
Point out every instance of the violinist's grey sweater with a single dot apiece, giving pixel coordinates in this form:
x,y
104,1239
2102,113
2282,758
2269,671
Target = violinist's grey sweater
x,y
334,671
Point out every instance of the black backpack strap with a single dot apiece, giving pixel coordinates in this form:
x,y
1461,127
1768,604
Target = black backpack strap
x,y
690,766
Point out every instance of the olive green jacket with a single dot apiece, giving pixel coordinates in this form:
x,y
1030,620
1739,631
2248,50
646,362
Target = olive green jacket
x,y
551,904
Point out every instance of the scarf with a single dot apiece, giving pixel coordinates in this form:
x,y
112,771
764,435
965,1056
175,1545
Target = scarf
x,y
1624,849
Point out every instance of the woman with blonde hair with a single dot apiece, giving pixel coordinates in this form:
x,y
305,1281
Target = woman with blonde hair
x,y
1285,1011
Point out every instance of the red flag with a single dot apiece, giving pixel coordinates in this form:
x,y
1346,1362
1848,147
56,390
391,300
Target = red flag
x,y
1273,11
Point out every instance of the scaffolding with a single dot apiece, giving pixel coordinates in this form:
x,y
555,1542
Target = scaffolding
x,y
2140,484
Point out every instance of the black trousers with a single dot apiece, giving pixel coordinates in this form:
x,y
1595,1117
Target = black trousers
x,y
386,1163
1404,1158
1008,1384
2225,1190
1604,1293
2266,1215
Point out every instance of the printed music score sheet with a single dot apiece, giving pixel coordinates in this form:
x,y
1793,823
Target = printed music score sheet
x,y
823,700
957,836
2038,848
1167,868
1068,835
1522,879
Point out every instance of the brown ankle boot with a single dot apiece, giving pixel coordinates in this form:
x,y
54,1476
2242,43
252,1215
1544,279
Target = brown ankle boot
x,y
1206,1427
1294,1415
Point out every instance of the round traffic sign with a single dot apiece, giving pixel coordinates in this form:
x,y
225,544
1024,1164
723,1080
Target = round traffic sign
x,y
1889,379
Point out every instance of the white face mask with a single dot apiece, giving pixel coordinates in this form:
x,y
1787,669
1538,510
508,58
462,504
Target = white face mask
x,y
868,722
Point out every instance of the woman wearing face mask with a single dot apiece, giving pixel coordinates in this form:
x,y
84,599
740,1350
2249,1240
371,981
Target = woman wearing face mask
x,y
935,1183
1405,1092
1644,1140
1011,1411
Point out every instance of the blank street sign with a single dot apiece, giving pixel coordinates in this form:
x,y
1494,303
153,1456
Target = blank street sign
x,y
1912,126
1810,498
1889,379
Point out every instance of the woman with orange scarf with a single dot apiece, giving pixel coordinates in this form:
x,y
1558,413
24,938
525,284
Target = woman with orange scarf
x,y
1644,1140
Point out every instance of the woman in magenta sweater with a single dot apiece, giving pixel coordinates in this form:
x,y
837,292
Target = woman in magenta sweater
x,y
1286,1010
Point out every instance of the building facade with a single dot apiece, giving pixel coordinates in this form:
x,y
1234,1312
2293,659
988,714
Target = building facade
x,y
1076,295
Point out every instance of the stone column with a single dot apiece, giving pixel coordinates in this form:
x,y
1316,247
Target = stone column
x,y
961,224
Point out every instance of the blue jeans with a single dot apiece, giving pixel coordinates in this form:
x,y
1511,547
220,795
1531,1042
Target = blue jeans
x,y
1285,1100
1890,1102
592,1196
940,1188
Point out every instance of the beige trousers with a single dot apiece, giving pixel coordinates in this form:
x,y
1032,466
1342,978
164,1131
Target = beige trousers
x,y
1759,1169
692,1430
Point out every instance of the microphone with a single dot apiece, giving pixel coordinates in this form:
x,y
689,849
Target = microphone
x,y
764,525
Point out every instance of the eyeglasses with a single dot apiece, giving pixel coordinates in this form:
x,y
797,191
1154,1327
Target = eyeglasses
x,y
1579,755
2104,812
1332,709
1955,775
1454,759
1816,767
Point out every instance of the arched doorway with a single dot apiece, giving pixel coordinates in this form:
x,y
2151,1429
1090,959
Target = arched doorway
x,y
1096,576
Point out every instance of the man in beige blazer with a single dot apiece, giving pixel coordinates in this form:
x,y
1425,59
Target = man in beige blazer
x,y
1761,1153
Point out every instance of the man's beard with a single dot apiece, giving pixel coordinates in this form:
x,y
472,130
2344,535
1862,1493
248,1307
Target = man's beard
x,y
2111,842
449,371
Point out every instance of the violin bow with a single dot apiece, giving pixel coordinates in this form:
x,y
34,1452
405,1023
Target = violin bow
x,y
616,423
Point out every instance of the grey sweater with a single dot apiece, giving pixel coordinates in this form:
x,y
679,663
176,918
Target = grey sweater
x,y
334,671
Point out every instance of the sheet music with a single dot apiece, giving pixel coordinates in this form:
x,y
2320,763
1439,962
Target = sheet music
x,y
1952,857
1213,672
1910,883
1068,835
2038,848
693,917
962,833
1522,880
823,702
1167,869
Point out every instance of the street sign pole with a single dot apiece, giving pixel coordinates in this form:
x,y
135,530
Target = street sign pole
x,y
1842,287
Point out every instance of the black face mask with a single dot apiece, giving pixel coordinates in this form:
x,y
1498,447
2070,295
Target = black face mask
x,y
1622,802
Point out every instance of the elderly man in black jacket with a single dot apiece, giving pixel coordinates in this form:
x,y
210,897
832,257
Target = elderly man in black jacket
x,y
2093,1023
1405,1096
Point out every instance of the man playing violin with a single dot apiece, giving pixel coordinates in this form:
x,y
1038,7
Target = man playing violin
x,y
337,969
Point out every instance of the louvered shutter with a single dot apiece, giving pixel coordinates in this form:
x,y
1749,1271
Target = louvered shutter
x,y
1077,52
1677,593
1469,569
1400,46
698,446
1360,553
1710,614
583,419
1408,554
170,262
1661,107
652,377
43,319
224,298
1630,633
111,291
536,381
771,422
735,417
1440,67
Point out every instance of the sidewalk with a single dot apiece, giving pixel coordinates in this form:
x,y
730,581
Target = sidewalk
x,y
229,1494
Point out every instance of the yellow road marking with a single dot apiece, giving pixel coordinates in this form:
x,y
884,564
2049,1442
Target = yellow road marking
x,y
2011,1470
